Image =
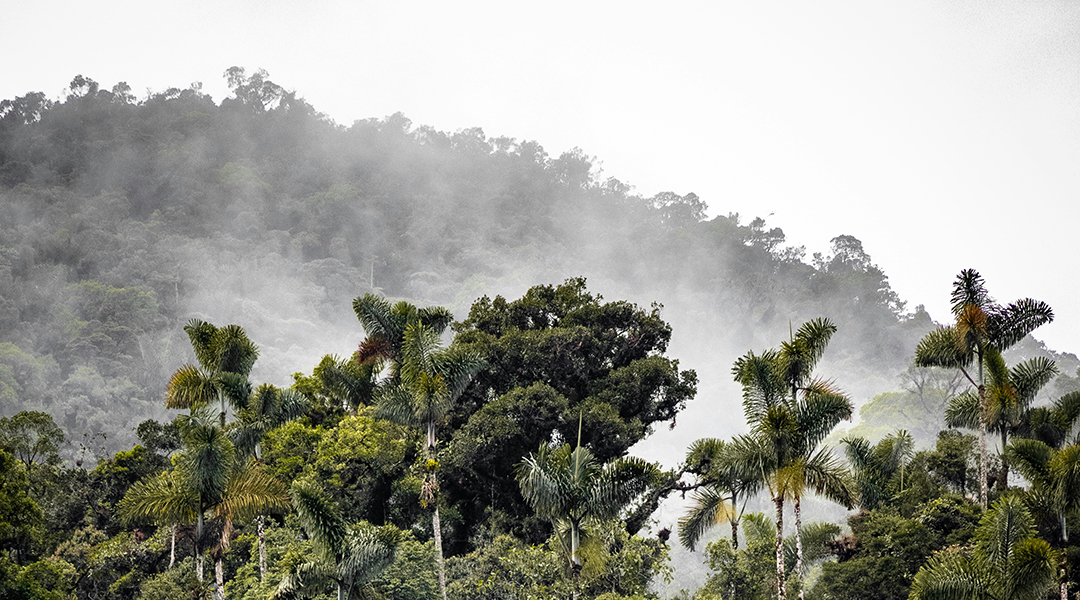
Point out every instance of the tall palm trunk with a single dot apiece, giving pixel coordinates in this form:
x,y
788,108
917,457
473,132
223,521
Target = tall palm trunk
x,y
262,548
198,550
219,576
1003,481
780,587
436,529
984,419
798,543
734,521
172,552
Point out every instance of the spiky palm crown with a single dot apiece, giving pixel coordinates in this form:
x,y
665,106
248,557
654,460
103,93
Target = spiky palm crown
x,y
345,556
225,356
1007,562
1009,394
385,325
980,322
430,379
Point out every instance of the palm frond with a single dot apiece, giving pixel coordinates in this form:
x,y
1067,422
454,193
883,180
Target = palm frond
x,y
306,580
190,388
942,348
1017,320
1032,375
950,575
201,335
161,499
234,352
1031,458
251,492
319,518
963,411
710,506
969,289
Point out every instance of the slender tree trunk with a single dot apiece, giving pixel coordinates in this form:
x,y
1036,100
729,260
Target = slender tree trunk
x,y
984,493
262,547
340,592
172,553
734,521
780,587
198,550
798,543
576,569
219,576
438,551
436,530
1003,481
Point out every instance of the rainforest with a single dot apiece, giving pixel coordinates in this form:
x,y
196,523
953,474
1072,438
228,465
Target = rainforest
x,y
248,352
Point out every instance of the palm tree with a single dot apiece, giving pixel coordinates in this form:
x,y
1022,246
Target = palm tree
x,y
572,489
265,410
1008,395
225,356
346,557
1054,474
1007,562
385,325
208,477
350,383
981,325
876,467
722,480
427,382
1052,425
790,412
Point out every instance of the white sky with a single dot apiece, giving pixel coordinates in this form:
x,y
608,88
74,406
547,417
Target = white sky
x,y
943,134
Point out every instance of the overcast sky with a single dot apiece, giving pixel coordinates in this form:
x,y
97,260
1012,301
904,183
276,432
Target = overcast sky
x,y
943,134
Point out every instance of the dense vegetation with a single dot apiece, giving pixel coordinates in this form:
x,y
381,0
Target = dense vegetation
x,y
144,452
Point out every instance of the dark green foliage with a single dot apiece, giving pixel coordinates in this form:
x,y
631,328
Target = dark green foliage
x,y
555,354
884,551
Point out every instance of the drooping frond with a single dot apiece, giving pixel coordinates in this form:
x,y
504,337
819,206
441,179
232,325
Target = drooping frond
x,y
458,368
828,477
1031,458
758,528
190,388
201,335
822,408
1065,470
950,575
545,482
435,318
710,507
161,499
319,518
1017,320
375,317
306,580
799,356
762,383
250,492
368,553
1031,376
963,411
235,353
942,348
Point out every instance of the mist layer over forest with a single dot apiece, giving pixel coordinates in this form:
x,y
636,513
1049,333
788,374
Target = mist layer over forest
x,y
123,218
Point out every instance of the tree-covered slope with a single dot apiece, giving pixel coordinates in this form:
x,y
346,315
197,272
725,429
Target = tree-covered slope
x,y
124,217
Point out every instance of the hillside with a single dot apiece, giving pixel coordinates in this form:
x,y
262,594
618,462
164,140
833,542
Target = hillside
x,y
124,218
